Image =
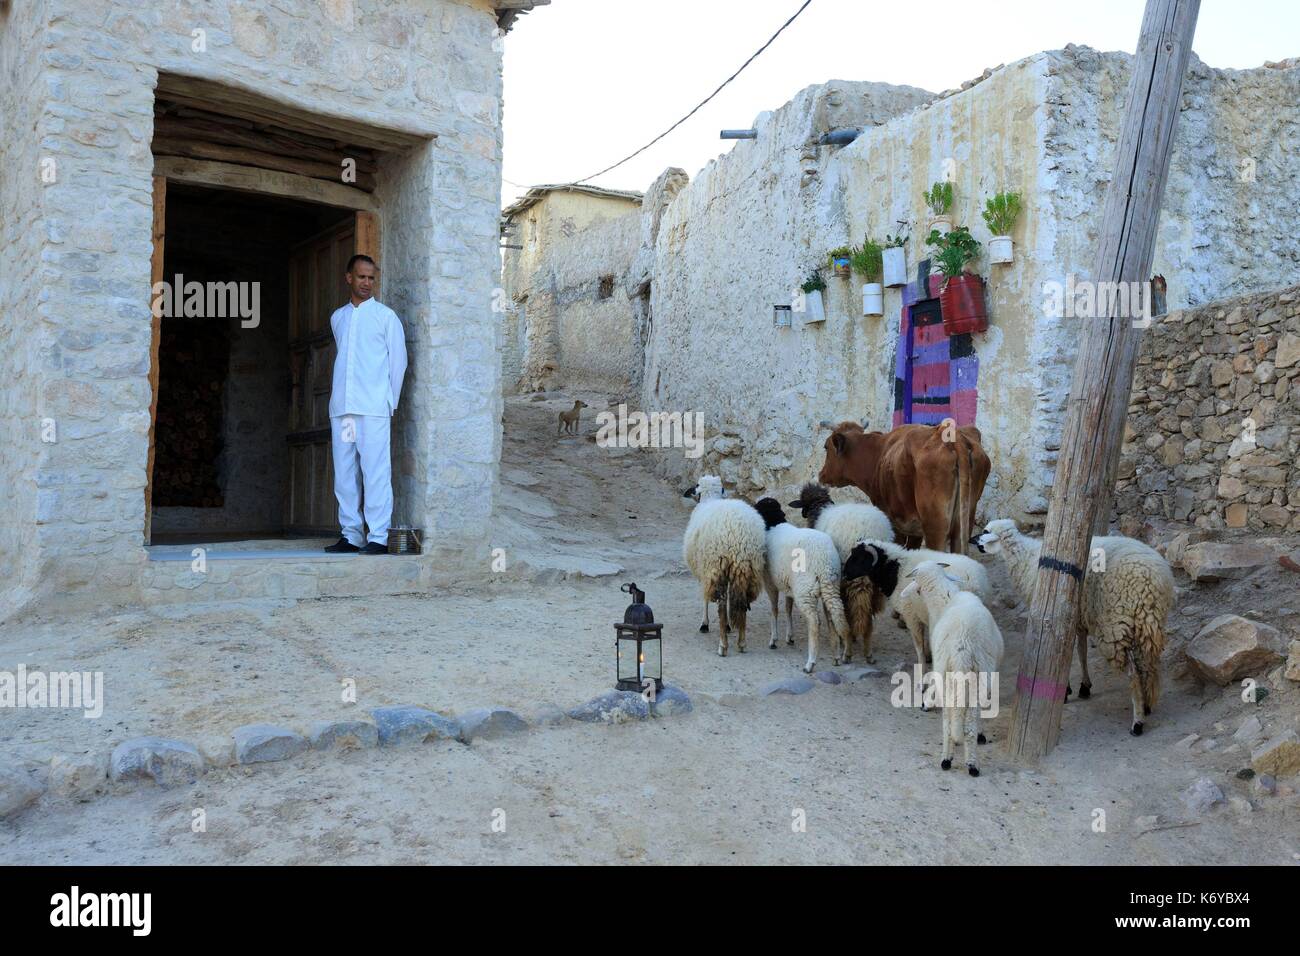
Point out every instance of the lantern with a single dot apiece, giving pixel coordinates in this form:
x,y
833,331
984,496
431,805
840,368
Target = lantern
x,y
637,644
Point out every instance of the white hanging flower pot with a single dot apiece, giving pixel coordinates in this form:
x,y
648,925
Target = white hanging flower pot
x,y
814,310
895,266
942,223
873,299
1000,249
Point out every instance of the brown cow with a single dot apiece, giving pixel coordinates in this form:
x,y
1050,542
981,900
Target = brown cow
x,y
927,486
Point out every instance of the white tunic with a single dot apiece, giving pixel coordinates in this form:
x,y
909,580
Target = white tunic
x,y
371,360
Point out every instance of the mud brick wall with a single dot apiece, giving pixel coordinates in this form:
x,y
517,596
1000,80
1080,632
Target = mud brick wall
x,y
1209,380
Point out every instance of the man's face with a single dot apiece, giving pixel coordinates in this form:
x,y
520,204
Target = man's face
x,y
361,280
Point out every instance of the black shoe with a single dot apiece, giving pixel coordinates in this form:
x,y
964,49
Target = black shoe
x,y
342,546
374,547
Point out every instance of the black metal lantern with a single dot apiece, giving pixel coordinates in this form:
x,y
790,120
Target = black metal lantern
x,y
638,644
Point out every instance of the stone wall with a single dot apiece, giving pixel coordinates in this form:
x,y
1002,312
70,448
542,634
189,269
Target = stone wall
x,y
83,74
1213,435
23,402
573,322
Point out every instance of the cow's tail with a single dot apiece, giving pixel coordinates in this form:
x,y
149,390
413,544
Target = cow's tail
x,y
959,519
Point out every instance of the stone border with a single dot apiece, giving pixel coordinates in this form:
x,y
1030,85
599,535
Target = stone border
x,y
172,763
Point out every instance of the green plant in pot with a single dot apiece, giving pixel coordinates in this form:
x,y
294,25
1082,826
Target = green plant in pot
x,y
1000,212
894,261
811,307
938,198
961,300
841,260
866,261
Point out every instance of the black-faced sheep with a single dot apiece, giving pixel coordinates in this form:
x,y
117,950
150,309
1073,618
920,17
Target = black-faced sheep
x,y
847,524
886,563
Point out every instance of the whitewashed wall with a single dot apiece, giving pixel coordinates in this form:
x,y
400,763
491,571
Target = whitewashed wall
x,y
79,87
735,241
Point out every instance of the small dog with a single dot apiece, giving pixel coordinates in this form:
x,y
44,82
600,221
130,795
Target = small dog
x,y
569,419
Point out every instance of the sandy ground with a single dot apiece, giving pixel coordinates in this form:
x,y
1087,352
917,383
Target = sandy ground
x,y
727,782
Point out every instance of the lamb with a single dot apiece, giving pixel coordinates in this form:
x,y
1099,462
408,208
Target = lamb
x,y
1125,604
885,562
725,548
967,647
847,524
803,563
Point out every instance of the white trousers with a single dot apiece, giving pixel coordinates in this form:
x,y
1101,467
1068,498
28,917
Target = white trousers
x,y
362,463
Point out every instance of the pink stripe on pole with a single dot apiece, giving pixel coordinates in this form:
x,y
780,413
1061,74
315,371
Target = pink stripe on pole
x,y
1049,690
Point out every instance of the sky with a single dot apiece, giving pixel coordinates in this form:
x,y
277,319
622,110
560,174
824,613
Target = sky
x,y
587,82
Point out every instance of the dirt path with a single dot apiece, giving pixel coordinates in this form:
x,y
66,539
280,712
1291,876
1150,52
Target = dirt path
x,y
727,782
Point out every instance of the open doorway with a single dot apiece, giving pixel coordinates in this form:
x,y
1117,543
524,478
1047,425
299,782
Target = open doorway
x,y
241,434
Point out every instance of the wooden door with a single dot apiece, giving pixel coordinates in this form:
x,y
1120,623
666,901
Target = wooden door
x,y
155,336
316,289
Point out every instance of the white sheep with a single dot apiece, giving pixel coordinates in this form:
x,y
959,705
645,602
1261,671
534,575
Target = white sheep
x,y
725,548
847,524
1125,603
967,649
886,563
803,563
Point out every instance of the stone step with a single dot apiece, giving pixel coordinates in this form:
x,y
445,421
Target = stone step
x,y
286,574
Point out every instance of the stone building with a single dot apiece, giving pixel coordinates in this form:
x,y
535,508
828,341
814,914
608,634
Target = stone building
x,y
568,250
249,145
717,254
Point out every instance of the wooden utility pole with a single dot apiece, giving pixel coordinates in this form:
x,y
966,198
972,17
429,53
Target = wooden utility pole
x,y
1103,372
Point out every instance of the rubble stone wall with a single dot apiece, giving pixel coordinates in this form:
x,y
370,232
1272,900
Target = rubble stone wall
x,y
1213,435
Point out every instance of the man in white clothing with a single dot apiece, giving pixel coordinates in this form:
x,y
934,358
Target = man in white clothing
x,y
368,373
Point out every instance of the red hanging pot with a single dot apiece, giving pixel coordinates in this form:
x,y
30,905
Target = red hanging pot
x,y
961,301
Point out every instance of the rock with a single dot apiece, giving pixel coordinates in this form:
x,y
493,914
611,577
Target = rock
x,y
1264,784
489,723
1279,757
346,734
217,751
1186,743
1235,515
829,677
406,725
1249,731
168,763
1231,647
549,714
18,789
1293,662
859,673
1214,560
788,685
263,743
1240,804
1288,351
671,701
613,707
81,777
1202,795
